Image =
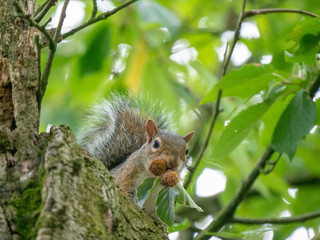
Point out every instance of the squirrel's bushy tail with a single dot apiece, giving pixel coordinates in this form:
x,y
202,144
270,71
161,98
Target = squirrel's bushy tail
x,y
115,127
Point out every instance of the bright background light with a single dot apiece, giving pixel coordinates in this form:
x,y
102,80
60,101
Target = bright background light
x,y
210,182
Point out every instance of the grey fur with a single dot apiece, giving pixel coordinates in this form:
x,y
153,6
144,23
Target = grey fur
x,y
115,127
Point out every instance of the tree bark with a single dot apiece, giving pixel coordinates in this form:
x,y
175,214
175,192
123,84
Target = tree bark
x,y
49,187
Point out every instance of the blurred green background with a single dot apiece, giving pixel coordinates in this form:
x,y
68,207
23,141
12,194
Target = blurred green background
x,y
172,51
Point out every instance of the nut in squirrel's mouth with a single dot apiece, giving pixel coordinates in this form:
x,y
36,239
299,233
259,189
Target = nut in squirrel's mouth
x,y
159,166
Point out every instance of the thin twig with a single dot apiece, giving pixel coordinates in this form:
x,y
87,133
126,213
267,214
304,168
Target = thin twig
x,y
103,16
285,82
283,220
45,10
40,8
225,54
61,20
220,220
214,118
52,44
235,39
94,9
47,68
38,45
229,210
46,23
227,57
272,165
278,10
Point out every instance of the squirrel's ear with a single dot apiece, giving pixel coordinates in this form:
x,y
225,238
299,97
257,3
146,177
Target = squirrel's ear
x,y
151,129
189,136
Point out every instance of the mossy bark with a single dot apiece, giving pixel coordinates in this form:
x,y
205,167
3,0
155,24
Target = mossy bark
x,y
80,200
49,187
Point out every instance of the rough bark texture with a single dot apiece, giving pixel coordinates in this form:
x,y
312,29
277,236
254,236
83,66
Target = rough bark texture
x,y
80,200
49,187
19,114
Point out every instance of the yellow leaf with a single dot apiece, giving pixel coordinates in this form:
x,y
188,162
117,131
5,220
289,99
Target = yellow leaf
x,y
136,67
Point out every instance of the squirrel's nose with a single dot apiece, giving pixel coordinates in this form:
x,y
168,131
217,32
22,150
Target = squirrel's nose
x,y
173,163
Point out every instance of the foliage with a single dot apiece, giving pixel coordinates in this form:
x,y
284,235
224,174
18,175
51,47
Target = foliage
x,y
295,122
166,198
173,51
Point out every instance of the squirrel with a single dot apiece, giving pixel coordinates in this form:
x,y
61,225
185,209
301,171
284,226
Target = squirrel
x,y
127,134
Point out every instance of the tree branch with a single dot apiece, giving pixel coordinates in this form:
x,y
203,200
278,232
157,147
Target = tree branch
x,y
61,20
38,45
235,39
214,118
284,220
272,165
46,23
40,8
94,9
225,64
52,43
227,56
93,20
227,212
47,68
278,10
44,12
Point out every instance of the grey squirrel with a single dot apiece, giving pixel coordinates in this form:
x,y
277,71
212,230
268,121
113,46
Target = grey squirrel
x,y
131,137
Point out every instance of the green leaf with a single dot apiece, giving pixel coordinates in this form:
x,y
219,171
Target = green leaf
x,y
185,198
271,118
153,12
305,52
165,205
166,198
303,43
142,190
239,127
145,188
179,226
158,82
294,123
98,48
245,82
307,26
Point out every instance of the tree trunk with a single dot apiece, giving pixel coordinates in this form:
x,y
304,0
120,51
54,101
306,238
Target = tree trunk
x,y
49,187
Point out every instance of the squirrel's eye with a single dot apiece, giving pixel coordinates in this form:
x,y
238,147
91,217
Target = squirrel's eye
x,y
156,144
187,151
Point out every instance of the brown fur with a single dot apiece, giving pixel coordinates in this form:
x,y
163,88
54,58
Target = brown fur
x,y
121,134
136,168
